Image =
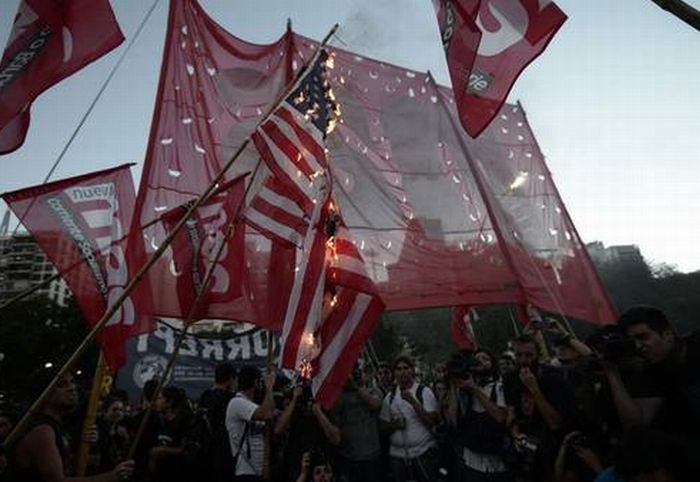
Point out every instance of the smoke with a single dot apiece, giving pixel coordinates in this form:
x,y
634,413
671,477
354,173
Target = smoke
x,y
403,32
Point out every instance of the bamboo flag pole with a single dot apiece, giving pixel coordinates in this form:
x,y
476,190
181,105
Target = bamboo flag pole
x,y
90,416
210,270
267,448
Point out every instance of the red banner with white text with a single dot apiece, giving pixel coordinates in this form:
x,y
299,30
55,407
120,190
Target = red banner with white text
x,y
49,41
82,223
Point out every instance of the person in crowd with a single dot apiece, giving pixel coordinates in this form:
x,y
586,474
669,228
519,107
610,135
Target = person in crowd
x,y
213,403
384,379
315,467
506,364
149,438
356,416
409,413
42,451
245,415
668,399
440,388
166,458
541,406
476,416
112,436
306,426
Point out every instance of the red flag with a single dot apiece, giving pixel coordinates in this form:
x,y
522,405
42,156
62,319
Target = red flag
x,y
80,224
199,241
513,34
460,39
461,327
49,41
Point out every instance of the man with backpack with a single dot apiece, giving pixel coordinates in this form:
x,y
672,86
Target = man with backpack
x,y
245,422
409,413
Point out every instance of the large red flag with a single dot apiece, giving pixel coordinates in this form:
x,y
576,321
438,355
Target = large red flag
x,y
80,224
508,242
513,34
49,41
195,246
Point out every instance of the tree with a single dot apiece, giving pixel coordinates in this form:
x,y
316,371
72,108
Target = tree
x,y
35,332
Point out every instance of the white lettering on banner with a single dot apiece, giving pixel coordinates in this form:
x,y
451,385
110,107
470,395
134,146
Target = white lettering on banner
x,y
65,217
250,345
449,28
260,343
212,348
167,335
240,348
115,265
479,81
214,219
14,67
513,19
189,347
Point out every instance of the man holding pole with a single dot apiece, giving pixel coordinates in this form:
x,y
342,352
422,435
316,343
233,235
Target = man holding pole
x,y
40,453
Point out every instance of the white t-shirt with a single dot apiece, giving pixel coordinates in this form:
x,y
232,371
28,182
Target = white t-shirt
x,y
415,439
239,412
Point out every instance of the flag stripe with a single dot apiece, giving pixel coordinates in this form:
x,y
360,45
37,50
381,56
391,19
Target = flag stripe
x,y
338,358
311,138
282,171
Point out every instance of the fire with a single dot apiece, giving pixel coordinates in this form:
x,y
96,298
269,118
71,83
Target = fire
x,y
306,371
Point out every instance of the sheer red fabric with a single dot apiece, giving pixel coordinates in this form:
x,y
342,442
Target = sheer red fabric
x,y
440,219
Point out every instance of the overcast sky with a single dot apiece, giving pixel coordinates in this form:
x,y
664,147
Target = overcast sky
x,y
614,103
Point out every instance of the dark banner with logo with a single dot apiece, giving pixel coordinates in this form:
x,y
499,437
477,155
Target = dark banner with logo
x,y
147,357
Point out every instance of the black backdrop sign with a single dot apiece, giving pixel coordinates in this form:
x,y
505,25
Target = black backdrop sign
x,y
147,357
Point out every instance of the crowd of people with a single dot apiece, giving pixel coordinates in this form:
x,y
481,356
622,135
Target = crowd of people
x,y
621,406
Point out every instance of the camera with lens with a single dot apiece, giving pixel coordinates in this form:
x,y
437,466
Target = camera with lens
x,y
610,345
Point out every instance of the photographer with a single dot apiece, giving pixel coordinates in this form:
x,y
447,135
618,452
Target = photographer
x,y
476,414
307,426
668,400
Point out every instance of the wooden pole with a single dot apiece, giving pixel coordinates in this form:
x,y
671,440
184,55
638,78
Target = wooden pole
x,y
90,416
267,448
